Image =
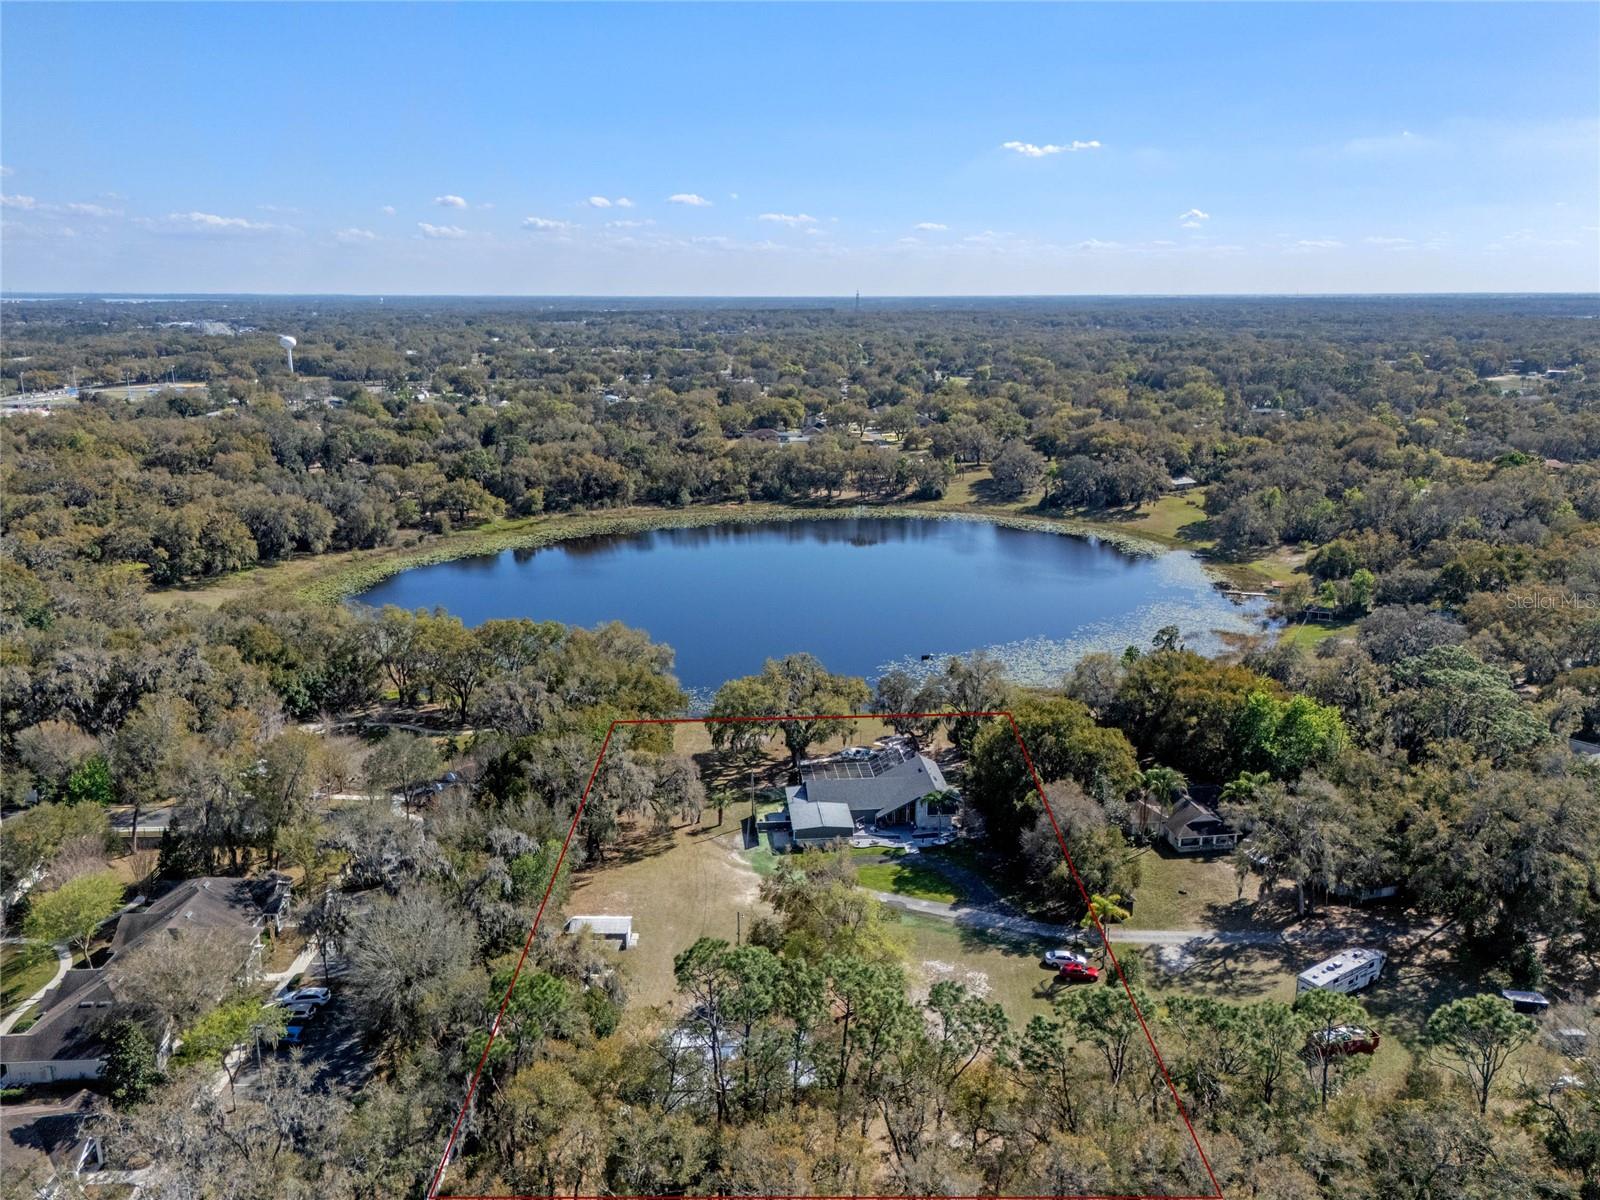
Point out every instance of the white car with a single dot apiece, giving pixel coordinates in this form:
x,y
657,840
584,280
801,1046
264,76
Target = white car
x,y
1060,958
314,996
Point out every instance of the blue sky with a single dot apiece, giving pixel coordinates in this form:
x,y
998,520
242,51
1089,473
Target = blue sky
x,y
800,149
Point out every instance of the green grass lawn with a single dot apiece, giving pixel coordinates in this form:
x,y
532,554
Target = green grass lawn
x,y
1311,633
1190,893
1005,969
903,877
1176,518
23,971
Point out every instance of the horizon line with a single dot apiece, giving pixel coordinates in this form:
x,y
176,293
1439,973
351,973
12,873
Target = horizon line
x,y
846,297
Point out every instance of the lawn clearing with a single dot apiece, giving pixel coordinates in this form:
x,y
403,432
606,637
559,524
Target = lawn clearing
x,y
902,876
1176,519
24,969
1003,968
1191,893
1308,634
678,887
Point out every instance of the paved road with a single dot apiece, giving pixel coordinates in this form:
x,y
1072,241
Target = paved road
x,y
331,1046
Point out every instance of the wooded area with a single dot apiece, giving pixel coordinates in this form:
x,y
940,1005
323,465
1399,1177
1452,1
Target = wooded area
x,y
1426,471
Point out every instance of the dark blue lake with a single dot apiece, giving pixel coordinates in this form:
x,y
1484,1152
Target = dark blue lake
x,y
862,594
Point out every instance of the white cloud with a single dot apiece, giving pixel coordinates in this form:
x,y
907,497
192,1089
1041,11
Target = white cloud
x,y
449,201
93,210
930,226
451,232
689,198
624,202
1316,244
387,210
18,202
1029,150
204,222
545,223
733,195
1404,142
354,236
1387,241
1193,219
598,202
628,224
790,219
5,172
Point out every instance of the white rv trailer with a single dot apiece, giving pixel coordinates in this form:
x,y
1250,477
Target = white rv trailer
x,y
1346,971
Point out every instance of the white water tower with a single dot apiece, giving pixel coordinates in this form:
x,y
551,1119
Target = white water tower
x,y
288,344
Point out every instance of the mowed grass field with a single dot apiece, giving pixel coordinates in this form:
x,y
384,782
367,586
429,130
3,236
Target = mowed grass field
x,y
899,875
24,969
1003,968
1191,893
678,887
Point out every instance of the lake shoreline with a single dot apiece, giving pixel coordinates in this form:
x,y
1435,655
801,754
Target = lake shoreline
x,y
331,579
944,585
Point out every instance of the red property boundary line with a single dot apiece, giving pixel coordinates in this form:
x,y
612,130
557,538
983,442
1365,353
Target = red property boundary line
x,y
433,1192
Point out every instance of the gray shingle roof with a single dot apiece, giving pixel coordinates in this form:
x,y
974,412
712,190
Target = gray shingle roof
x,y
71,1015
1193,819
227,905
889,779
814,818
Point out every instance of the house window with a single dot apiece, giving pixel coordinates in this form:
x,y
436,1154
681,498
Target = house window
x,y
1189,841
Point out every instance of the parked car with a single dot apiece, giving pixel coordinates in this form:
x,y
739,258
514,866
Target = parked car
x,y
1059,958
1079,972
1345,1039
298,1010
314,996
294,1035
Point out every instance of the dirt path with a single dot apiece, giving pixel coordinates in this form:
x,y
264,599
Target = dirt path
x,y
999,921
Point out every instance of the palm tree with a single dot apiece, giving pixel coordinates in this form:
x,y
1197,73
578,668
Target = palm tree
x,y
1104,910
1162,785
1245,788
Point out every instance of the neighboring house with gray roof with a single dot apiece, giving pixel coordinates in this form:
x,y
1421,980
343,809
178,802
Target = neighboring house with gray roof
x,y
891,785
1195,828
43,1145
64,1043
